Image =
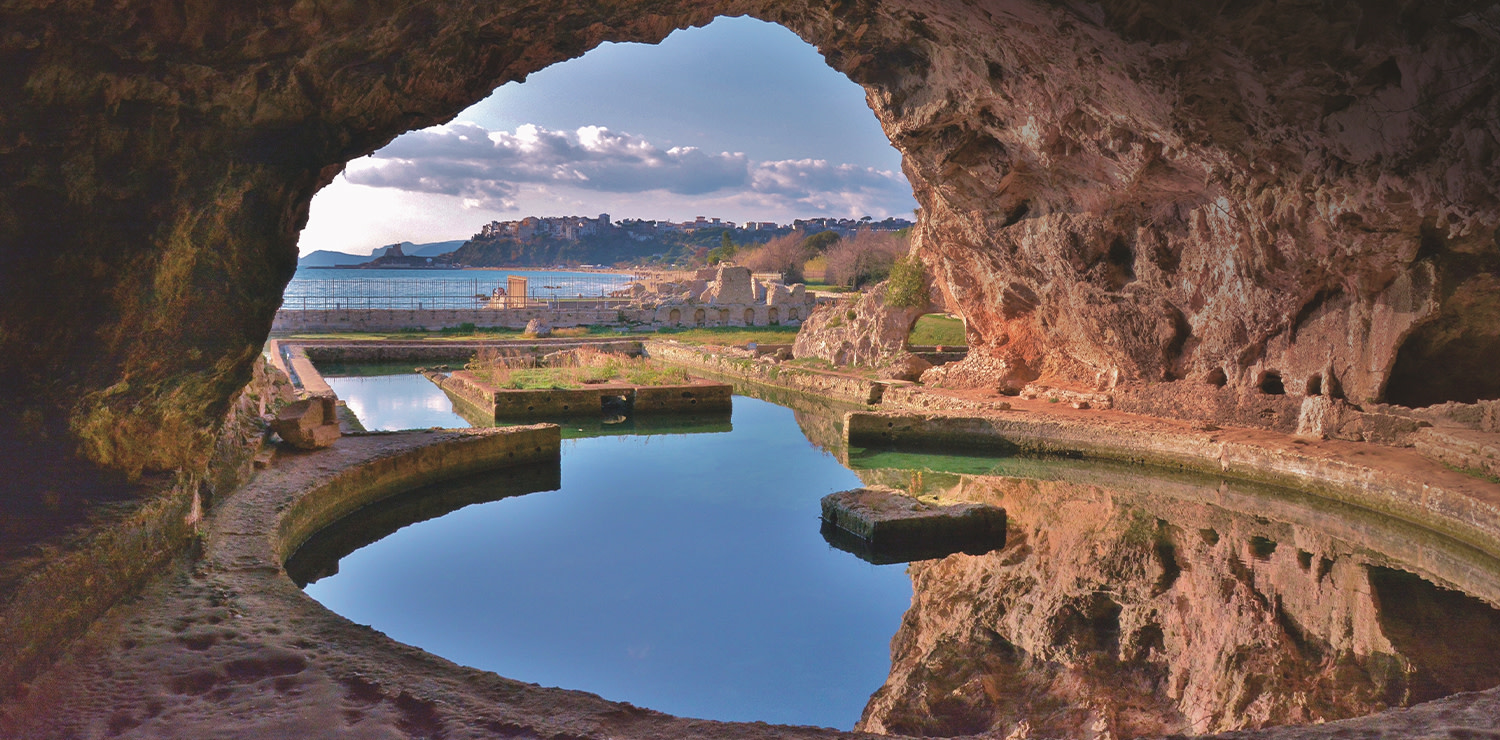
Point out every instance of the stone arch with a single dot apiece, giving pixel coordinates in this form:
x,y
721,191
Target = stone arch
x,y
791,313
773,315
173,218
749,317
674,317
700,317
724,316
172,202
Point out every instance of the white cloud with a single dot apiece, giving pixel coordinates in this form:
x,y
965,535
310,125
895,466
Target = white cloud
x,y
468,161
444,182
486,168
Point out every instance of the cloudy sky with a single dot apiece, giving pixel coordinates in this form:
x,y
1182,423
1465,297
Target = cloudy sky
x,y
741,120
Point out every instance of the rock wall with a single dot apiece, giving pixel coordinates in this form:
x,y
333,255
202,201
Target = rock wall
x,y
1113,614
1139,192
1125,192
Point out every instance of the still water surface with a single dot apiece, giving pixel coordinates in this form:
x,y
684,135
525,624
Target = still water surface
x,y
679,572
387,403
685,572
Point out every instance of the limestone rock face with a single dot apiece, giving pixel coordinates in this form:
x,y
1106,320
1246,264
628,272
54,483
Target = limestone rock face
x,y
859,330
1126,192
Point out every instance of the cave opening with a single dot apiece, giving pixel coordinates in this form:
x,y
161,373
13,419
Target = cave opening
x,y
725,128
1451,359
1270,383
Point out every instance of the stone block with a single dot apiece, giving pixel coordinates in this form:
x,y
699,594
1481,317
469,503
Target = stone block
x,y
884,525
309,424
538,328
731,285
1319,418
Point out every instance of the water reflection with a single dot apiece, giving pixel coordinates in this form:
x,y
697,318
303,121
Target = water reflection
x,y
393,402
680,567
1128,603
670,570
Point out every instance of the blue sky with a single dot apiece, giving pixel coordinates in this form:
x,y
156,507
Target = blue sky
x,y
740,119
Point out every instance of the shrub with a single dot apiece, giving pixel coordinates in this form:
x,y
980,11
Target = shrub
x,y
907,284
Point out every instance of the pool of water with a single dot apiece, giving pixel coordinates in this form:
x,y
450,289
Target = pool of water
x,y
679,565
385,403
681,572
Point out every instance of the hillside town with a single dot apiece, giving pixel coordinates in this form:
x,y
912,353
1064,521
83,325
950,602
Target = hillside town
x,y
574,228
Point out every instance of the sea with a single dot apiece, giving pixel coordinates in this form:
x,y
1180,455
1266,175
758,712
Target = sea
x,y
322,288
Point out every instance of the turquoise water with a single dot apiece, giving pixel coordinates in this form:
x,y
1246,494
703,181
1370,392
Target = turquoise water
x,y
684,573
387,403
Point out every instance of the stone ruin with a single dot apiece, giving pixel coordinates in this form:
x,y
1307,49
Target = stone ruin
x,y
726,295
309,424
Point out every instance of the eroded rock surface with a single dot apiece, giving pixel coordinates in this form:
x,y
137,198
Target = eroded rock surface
x,y
858,330
1120,193
1115,614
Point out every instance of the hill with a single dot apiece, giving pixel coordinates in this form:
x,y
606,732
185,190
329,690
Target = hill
x,y
330,258
615,247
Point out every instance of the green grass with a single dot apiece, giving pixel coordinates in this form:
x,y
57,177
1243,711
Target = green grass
x,y
1483,475
594,368
818,284
732,335
935,328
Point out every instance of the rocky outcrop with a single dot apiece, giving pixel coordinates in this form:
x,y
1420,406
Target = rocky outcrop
x,y
862,329
1175,193
1115,614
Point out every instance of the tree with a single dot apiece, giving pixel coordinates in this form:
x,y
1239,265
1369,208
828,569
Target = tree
x,y
784,255
907,284
821,241
864,259
724,252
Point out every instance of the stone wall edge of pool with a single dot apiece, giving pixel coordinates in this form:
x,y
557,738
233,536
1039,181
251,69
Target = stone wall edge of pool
x,y
1407,487
375,467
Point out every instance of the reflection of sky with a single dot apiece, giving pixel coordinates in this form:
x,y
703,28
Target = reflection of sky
x,y
386,403
684,573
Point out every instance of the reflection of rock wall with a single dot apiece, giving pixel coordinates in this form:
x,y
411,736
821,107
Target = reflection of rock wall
x,y
1112,615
